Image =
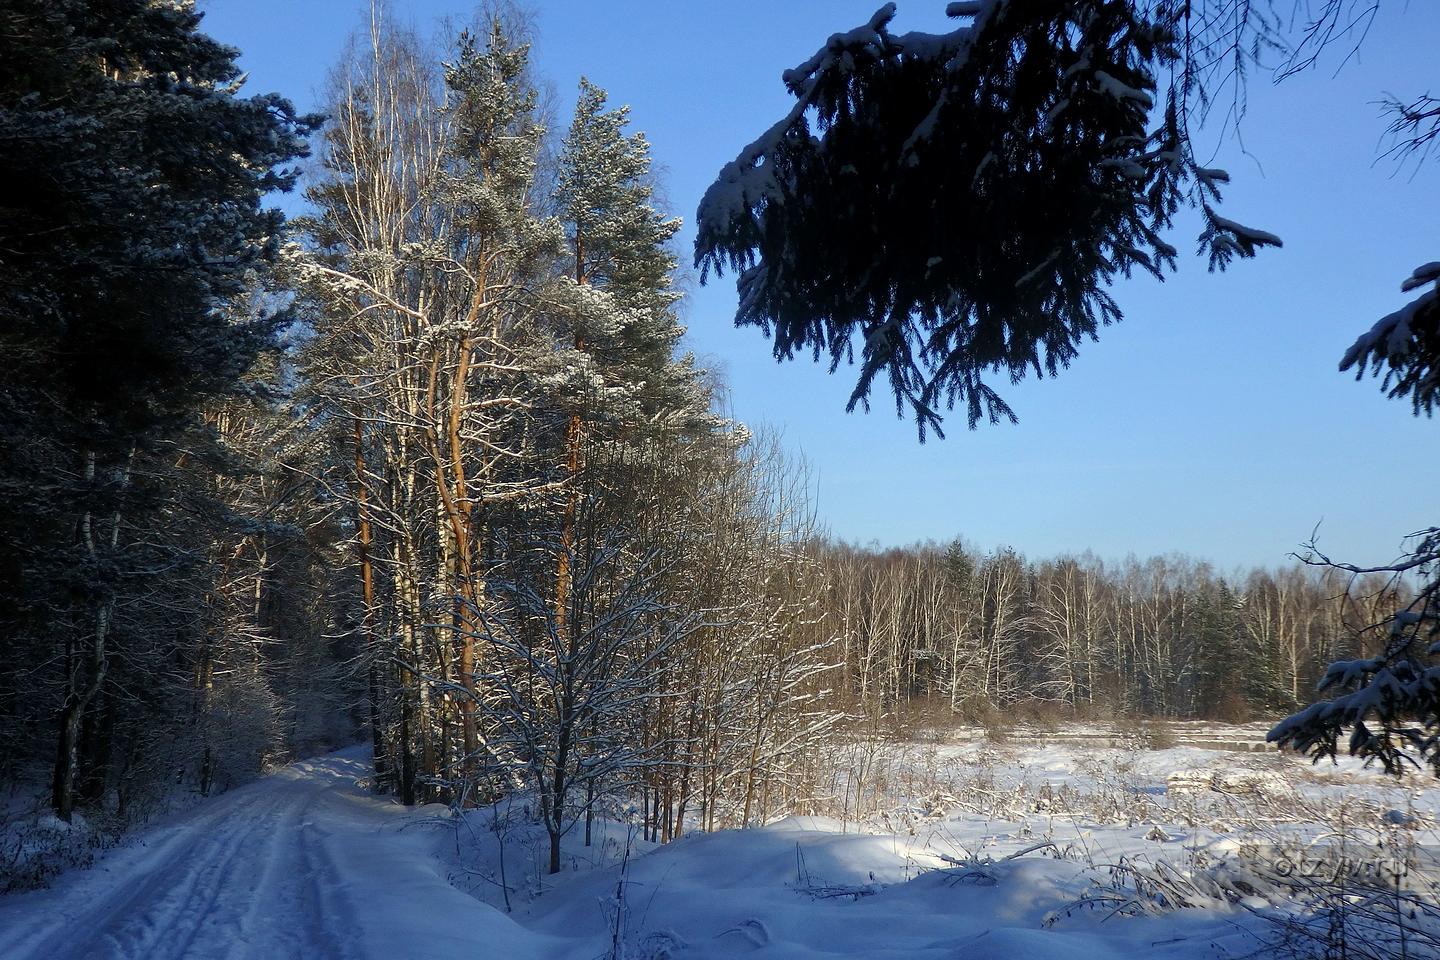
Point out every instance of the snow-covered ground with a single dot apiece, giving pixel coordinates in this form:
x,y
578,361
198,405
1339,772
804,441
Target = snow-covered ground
x,y
304,864
1035,848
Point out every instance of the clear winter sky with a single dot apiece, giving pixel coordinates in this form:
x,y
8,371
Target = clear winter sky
x,y
1212,421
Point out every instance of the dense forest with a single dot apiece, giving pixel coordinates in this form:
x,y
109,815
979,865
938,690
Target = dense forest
x,y
432,470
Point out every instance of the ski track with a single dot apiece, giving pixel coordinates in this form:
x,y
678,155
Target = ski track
x,y
249,874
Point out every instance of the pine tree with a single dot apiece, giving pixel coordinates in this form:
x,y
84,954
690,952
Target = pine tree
x,y
621,380
623,396
1225,680
619,245
492,159
132,175
428,268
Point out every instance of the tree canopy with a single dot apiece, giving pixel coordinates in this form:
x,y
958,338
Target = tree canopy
x,y
950,209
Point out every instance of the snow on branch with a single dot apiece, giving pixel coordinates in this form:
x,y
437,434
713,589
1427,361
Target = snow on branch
x,y
1389,703
1405,344
1227,239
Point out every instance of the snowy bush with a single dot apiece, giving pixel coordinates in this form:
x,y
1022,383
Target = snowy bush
x,y
36,845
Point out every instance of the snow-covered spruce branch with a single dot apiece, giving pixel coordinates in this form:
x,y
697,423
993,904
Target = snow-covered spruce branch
x,y
1403,345
1389,703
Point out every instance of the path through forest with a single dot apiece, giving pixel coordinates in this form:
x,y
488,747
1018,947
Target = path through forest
x,y
304,863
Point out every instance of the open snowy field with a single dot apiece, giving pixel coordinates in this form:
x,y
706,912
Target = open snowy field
x,y
1090,846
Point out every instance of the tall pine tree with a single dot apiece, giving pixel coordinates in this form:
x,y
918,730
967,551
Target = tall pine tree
x,y
622,380
131,180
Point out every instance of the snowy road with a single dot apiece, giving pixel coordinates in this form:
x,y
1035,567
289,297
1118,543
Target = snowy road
x,y
308,865
302,864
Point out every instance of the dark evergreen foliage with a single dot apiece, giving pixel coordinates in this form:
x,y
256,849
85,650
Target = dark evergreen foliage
x,y
132,181
620,300
1403,348
1389,703
955,206
131,226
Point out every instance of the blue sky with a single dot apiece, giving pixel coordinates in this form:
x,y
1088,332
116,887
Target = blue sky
x,y
1212,421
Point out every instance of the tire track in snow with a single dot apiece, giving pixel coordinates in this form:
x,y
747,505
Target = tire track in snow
x,y
245,875
294,887
301,865
260,924
204,908
164,914
333,904
119,924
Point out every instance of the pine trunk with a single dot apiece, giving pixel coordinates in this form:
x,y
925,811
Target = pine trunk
x,y
367,611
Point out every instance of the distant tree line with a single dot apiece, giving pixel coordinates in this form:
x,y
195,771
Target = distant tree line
x,y
979,632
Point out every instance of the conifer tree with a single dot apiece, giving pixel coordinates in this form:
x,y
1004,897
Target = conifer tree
x,y
133,173
952,207
500,247
619,245
621,379
1224,663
